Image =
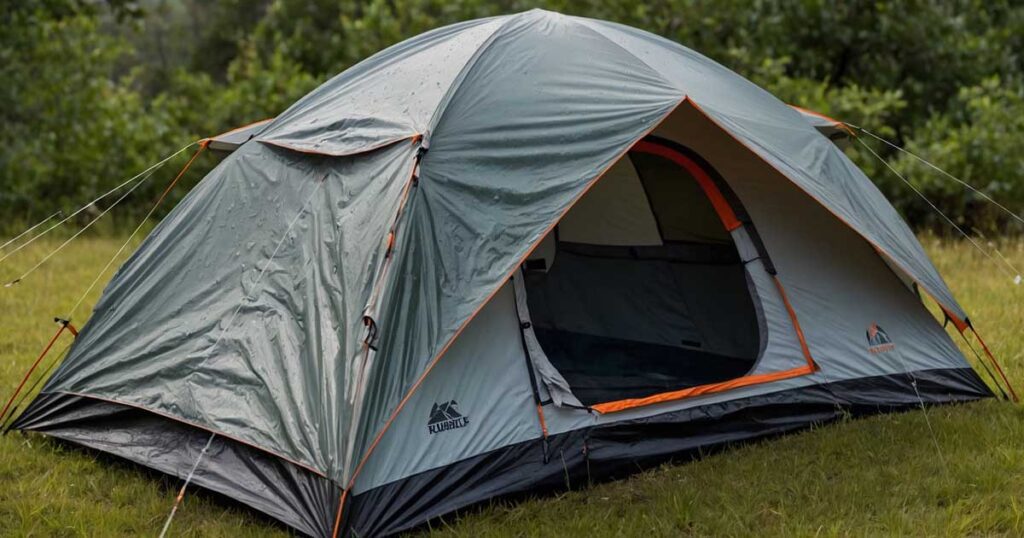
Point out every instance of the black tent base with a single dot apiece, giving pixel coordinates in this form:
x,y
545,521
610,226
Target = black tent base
x,y
308,503
286,492
614,451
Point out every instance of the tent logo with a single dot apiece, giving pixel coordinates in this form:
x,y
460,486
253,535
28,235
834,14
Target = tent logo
x,y
878,340
445,416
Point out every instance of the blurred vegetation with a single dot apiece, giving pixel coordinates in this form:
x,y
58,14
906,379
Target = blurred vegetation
x,y
95,91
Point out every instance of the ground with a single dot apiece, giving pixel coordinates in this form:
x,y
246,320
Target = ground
x,y
955,471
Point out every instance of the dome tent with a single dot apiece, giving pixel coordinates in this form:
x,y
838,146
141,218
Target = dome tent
x,y
495,257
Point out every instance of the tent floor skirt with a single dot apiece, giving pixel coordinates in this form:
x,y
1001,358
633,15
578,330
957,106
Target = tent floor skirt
x,y
283,491
308,503
611,451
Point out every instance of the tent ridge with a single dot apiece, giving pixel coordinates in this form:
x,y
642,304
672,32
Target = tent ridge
x,y
594,28
438,114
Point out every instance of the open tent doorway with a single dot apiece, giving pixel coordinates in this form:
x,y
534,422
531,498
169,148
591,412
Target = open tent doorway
x,y
640,289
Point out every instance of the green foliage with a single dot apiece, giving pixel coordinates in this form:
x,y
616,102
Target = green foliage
x,y
979,142
96,91
71,129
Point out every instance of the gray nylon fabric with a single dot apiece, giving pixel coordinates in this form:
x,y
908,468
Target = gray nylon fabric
x,y
278,377
548,377
391,95
521,114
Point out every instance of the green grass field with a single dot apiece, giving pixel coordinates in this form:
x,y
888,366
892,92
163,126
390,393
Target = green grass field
x,y
866,477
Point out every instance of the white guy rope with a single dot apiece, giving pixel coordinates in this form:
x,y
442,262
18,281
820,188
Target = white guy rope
x,y
941,171
102,196
114,257
22,234
79,232
1014,273
181,493
995,248
924,410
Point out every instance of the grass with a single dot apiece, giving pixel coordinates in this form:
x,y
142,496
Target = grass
x,y
866,477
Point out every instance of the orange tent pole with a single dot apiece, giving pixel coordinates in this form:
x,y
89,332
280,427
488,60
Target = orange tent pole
x,y
991,357
63,325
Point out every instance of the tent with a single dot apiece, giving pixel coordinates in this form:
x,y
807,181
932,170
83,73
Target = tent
x,y
503,256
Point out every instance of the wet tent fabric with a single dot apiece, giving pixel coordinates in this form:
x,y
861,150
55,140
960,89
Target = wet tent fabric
x,y
348,275
242,312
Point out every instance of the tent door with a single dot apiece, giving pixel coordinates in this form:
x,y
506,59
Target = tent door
x,y
642,288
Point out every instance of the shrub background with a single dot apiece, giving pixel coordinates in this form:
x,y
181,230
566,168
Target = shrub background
x,y
92,91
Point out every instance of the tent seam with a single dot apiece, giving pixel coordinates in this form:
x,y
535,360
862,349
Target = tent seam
x,y
583,22
358,151
442,105
380,287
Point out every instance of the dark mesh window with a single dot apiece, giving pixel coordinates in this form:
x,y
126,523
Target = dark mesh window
x,y
631,321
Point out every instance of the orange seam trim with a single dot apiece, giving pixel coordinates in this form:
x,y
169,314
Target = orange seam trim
x,y
796,323
711,388
378,287
543,423
337,518
834,121
202,145
622,405
494,292
236,129
392,233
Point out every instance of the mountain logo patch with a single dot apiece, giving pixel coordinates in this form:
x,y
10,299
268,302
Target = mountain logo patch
x,y
878,340
446,416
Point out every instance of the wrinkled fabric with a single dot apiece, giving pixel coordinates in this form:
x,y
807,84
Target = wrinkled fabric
x,y
294,496
392,94
243,312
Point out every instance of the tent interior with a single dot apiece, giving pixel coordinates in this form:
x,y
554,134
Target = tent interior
x,y
640,288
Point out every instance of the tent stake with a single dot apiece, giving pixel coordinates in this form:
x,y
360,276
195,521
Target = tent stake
x,y
181,492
